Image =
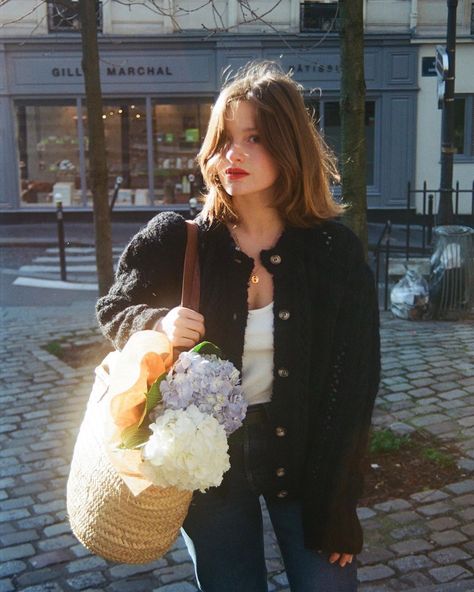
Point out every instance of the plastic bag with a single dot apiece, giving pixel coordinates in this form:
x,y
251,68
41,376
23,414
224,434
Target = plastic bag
x,y
409,298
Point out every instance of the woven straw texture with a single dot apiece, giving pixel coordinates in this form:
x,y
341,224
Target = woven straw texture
x,y
107,518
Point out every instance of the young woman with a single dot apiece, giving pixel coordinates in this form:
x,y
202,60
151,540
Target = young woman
x,y
287,295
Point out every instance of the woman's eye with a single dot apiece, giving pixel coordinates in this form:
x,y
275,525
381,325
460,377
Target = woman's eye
x,y
254,139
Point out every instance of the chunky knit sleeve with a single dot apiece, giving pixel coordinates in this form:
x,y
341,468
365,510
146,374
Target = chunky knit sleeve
x,y
147,281
349,393
354,387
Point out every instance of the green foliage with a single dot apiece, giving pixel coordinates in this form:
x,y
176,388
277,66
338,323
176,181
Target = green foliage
x,y
137,434
386,441
438,457
54,348
153,397
134,436
206,348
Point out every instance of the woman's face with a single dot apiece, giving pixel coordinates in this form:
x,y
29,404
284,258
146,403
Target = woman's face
x,y
245,167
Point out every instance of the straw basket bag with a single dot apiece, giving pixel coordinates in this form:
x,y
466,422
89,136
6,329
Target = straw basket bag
x,y
104,515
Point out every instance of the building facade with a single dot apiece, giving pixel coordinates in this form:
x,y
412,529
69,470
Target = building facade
x,y
162,70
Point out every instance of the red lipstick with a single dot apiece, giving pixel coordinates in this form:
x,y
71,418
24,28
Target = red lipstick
x,y
235,173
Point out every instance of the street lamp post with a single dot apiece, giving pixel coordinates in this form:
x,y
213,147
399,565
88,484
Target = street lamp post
x,y
445,212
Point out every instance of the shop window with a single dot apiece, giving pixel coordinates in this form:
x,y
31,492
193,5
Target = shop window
x,y
464,127
319,16
178,131
330,124
126,148
48,150
64,18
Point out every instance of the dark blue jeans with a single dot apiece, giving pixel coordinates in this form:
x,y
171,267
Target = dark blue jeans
x,y
224,533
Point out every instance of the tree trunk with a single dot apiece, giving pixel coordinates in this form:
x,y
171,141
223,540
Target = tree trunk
x,y
352,107
97,153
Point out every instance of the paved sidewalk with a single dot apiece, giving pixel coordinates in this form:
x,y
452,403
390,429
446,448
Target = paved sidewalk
x,y
422,544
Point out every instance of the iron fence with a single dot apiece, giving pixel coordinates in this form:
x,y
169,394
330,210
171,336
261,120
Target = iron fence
x,y
417,223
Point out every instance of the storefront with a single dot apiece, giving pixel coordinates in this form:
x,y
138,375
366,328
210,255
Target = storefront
x,y
157,99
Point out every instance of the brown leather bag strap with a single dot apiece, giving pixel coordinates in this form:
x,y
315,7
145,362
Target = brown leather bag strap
x,y
191,276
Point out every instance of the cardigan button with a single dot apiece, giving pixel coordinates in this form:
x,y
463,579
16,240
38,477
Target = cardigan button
x,y
284,315
281,494
280,472
280,431
275,259
283,372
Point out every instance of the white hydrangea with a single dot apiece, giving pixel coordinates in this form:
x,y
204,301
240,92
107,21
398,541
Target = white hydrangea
x,y
187,450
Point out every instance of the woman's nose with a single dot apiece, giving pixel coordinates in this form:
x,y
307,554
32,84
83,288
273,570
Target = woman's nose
x,y
234,153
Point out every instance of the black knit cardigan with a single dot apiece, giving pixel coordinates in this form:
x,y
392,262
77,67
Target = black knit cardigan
x,y
326,349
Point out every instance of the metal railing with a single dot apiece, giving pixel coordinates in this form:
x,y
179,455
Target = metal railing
x,y
428,217
385,237
423,223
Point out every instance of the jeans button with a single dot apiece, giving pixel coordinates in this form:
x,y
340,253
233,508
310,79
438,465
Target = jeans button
x,y
280,472
280,431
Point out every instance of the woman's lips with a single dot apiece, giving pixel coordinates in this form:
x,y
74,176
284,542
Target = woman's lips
x,y
233,174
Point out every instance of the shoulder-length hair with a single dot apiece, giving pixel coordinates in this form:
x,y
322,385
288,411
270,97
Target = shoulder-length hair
x,y
287,130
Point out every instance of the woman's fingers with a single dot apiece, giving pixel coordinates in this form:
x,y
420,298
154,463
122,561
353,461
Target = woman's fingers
x,y
345,559
183,327
342,558
184,343
191,322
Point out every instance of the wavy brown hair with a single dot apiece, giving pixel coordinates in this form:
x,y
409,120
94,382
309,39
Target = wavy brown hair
x,y
287,130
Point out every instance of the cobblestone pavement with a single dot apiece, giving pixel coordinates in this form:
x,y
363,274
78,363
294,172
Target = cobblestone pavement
x,y
423,543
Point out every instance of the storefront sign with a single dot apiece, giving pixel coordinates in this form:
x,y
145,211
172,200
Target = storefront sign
x,y
66,72
115,70
139,71
311,68
314,68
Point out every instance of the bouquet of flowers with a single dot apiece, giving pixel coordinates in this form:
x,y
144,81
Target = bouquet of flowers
x,y
153,433
186,416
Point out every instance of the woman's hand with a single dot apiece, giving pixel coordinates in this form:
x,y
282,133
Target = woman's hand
x,y
341,558
182,326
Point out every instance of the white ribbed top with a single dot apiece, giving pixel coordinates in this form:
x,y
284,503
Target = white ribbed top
x,y
257,361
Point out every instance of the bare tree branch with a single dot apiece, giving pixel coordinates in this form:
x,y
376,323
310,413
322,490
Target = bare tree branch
x,y
150,5
20,18
245,4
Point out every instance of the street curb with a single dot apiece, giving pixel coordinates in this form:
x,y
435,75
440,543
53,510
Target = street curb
x,y
459,586
39,242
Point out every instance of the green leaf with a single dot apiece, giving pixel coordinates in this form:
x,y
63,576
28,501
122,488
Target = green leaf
x,y
153,396
206,348
134,436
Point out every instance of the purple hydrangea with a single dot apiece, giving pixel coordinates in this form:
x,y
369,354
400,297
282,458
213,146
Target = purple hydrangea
x,y
208,382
